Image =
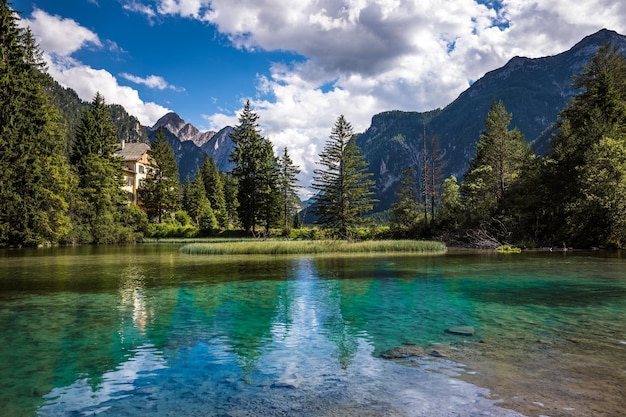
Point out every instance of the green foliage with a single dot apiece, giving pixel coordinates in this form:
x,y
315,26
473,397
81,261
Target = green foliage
x,y
183,218
405,211
160,193
198,206
501,155
287,186
214,188
344,185
35,179
256,170
282,247
585,181
450,209
231,187
99,195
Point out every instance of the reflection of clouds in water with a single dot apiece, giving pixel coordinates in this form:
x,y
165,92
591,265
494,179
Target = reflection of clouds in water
x,y
133,298
81,397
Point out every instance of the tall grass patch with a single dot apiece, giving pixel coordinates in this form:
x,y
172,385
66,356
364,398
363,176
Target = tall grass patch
x,y
290,247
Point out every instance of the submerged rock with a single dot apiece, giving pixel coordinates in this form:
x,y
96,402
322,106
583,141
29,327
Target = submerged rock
x,y
461,330
400,352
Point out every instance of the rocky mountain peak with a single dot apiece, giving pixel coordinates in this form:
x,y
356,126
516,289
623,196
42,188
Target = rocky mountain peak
x,y
171,121
183,131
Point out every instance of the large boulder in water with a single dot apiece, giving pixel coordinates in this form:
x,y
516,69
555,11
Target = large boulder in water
x,y
403,352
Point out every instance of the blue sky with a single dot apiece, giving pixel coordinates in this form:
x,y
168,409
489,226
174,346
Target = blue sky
x,y
302,63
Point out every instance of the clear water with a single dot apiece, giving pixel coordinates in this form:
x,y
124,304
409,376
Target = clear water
x,y
142,330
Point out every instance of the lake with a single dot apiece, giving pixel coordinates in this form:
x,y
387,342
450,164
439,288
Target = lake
x,y
143,330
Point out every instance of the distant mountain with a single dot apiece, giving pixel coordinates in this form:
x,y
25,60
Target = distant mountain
x,y
190,145
533,90
72,107
183,131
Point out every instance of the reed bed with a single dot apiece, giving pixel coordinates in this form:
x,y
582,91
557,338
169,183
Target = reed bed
x,y
291,247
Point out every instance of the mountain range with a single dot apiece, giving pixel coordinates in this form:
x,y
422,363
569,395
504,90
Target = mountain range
x,y
534,91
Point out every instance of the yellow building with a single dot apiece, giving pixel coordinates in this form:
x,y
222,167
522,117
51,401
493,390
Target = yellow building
x,y
137,165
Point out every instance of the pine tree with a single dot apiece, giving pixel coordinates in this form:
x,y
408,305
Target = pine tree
x,y
287,184
197,205
501,155
255,170
344,184
595,116
35,178
231,201
160,193
100,195
214,190
405,210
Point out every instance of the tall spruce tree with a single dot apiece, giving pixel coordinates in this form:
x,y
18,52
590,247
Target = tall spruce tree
x,y
595,120
501,154
101,198
287,184
344,184
160,193
255,170
35,179
197,205
214,190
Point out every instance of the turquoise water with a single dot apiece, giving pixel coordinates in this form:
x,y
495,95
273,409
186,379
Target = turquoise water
x,y
142,330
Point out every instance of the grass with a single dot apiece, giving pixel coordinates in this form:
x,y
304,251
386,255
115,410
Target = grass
x,y
291,247
508,249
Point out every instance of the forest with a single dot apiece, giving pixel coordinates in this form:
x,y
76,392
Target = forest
x,y
61,183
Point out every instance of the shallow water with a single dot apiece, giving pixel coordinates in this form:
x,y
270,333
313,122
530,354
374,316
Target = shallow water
x,y
142,330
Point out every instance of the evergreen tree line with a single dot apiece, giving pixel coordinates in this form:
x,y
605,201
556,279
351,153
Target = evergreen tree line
x,y
54,193
574,196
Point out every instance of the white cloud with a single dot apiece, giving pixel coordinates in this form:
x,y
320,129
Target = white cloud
x,y
86,81
133,6
361,57
379,55
59,38
151,81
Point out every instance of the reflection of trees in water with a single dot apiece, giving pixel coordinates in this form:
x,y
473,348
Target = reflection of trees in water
x,y
132,299
404,301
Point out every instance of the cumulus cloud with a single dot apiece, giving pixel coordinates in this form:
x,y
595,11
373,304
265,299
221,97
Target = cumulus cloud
x,y
362,57
152,81
133,6
59,38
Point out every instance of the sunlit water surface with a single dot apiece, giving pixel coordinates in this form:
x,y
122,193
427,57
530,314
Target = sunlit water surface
x,y
142,330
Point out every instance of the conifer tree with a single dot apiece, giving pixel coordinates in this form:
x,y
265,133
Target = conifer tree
x,y
501,155
214,190
344,184
35,179
230,198
255,170
161,191
405,210
197,205
592,123
100,195
287,184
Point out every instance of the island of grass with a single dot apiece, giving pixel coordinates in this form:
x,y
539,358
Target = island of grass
x,y
304,247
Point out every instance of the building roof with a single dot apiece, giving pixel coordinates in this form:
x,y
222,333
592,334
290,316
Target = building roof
x,y
132,151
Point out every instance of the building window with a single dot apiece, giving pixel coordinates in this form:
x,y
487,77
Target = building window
x,y
141,169
130,181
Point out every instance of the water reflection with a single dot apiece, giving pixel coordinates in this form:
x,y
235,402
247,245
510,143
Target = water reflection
x,y
157,333
132,298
